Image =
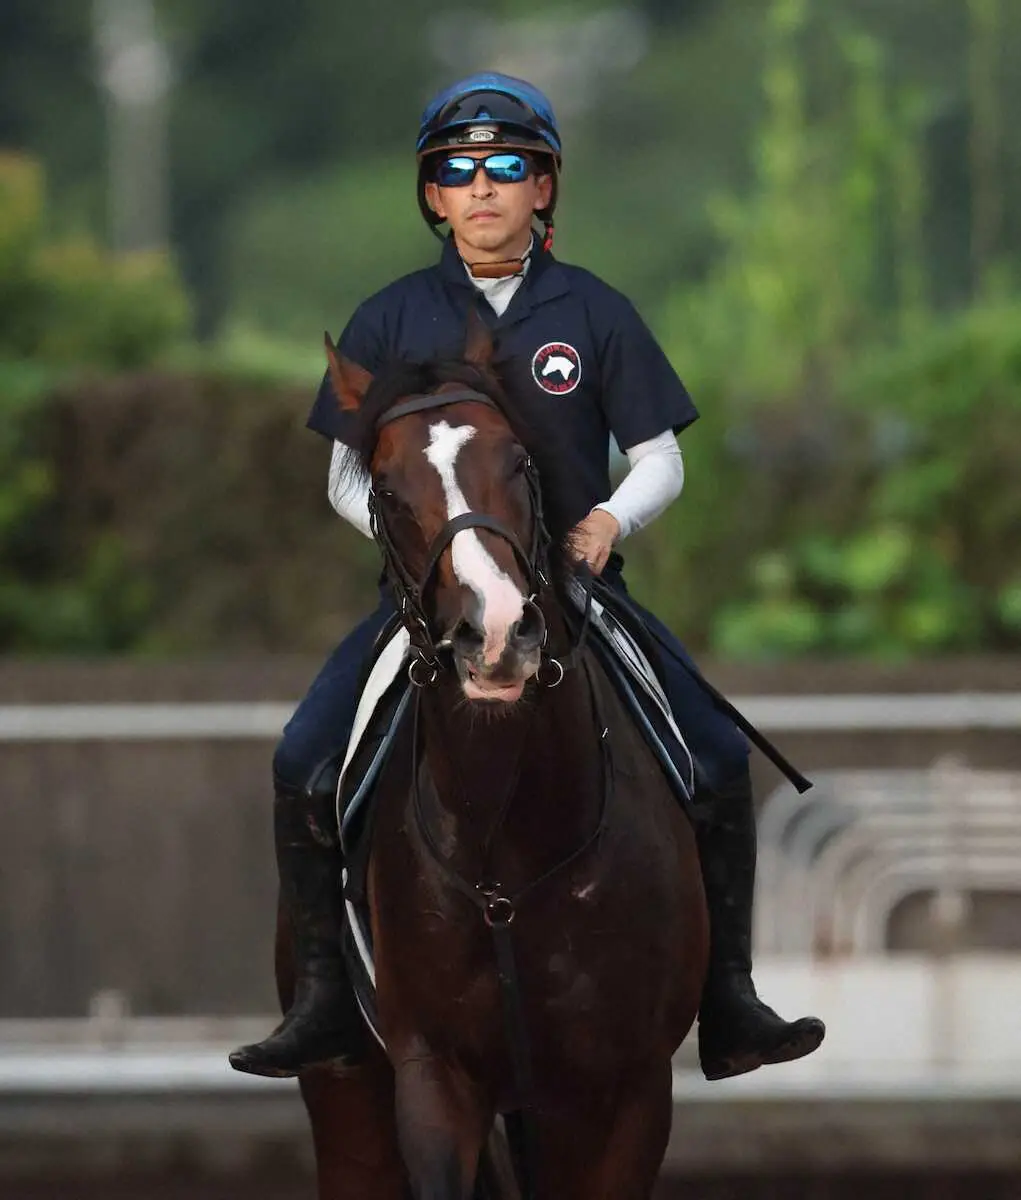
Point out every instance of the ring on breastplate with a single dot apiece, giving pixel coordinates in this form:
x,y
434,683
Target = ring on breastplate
x,y
433,668
559,676
499,910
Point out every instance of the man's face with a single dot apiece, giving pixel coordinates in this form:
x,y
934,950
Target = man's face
x,y
490,217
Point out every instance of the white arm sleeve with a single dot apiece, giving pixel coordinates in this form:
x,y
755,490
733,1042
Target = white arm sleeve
x,y
654,480
348,491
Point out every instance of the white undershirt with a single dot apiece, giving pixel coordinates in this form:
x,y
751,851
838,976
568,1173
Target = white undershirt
x,y
654,480
500,292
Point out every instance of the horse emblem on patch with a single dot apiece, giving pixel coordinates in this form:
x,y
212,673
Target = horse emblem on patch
x,y
556,368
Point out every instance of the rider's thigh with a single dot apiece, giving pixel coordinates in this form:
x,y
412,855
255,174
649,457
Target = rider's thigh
x,y
322,722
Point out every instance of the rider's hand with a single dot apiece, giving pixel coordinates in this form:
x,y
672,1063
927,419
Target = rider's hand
x,y
592,539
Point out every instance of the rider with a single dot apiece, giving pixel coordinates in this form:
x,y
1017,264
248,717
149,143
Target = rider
x,y
489,158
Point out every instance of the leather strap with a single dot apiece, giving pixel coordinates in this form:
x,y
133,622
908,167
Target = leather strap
x,y
470,520
505,268
424,403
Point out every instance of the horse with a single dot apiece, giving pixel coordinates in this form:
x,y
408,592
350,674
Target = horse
x,y
538,919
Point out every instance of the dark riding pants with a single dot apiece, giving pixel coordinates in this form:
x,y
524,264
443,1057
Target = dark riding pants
x,y
322,722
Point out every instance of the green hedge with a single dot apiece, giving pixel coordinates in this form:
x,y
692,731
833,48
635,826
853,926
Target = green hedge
x,y
66,301
177,514
161,513
881,517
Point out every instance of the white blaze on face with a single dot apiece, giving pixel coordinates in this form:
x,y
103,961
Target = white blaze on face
x,y
501,603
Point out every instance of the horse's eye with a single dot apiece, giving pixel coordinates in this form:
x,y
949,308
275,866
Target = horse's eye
x,y
397,508
520,463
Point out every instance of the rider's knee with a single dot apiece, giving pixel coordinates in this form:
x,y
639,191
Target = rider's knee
x,y
291,768
725,760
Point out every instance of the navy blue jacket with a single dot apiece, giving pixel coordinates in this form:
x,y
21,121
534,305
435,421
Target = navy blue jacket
x,y
582,342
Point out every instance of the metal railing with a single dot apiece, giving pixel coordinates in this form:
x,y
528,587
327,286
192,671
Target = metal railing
x,y
853,713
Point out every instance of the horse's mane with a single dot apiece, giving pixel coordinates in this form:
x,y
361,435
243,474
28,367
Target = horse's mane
x,y
529,421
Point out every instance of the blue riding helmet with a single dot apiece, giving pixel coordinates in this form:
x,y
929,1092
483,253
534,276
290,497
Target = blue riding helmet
x,y
517,108
483,110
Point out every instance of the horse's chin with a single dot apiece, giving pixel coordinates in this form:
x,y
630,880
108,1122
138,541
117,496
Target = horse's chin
x,y
480,688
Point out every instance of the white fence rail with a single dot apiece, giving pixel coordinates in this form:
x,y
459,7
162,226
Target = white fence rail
x,y
909,1028
852,713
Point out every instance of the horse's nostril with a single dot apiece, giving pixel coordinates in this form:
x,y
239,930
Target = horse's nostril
x,y
467,639
530,629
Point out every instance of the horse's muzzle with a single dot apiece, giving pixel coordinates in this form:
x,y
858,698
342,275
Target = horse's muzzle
x,y
497,673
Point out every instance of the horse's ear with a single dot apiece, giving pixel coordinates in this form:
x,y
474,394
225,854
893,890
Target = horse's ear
x,y
350,381
478,347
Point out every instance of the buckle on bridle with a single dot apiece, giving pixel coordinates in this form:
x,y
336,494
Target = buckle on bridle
x,y
558,667
431,665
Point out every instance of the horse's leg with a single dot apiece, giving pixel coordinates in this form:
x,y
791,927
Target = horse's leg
x,y
353,1132
442,1124
351,1115
614,1154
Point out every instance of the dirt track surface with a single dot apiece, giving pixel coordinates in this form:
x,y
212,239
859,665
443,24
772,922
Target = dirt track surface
x,y
888,1186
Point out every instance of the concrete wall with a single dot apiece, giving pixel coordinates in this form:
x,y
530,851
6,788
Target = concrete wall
x,y
146,867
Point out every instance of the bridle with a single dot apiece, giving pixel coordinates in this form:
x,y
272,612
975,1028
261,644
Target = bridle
x,y
410,591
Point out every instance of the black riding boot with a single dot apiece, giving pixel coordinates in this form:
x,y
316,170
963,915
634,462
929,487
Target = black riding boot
x,y
324,1023
736,1031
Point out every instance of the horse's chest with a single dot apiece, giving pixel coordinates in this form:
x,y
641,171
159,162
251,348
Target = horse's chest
x,y
598,942
588,976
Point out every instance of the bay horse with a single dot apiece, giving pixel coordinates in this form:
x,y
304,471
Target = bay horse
x,y
522,828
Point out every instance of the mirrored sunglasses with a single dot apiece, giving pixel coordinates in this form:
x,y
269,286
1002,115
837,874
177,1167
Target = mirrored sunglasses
x,y
458,170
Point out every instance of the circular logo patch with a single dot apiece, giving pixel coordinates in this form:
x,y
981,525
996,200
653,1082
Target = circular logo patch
x,y
556,368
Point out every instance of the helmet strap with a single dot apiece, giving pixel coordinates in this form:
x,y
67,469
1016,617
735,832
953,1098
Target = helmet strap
x,y
503,268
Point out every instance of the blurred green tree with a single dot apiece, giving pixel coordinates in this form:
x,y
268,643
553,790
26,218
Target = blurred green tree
x,y
64,304
807,526
814,204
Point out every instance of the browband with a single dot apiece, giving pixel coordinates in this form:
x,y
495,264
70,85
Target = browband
x,y
416,404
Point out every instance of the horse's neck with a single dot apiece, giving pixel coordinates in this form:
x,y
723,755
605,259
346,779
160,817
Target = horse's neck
x,y
541,762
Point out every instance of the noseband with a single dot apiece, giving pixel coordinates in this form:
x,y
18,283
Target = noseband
x,y
410,591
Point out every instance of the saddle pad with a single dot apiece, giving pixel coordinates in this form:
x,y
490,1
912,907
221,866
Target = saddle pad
x,y
361,969
630,669
385,670
378,716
